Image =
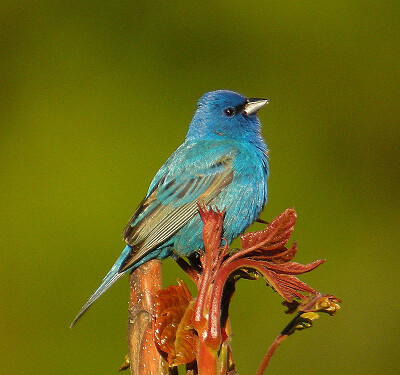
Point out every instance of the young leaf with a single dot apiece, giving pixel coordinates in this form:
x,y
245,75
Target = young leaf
x,y
274,236
173,324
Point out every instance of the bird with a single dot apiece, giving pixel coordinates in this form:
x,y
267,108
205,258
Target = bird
x,y
222,162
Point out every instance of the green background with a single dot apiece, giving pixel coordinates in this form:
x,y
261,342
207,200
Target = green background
x,y
95,95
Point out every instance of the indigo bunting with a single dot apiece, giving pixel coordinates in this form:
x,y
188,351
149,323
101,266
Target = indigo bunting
x,y
223,162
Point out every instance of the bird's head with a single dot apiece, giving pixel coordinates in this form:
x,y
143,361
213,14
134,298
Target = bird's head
x,y
225,114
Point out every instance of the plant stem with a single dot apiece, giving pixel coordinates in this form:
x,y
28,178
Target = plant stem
x,y
145,359
207,359
271,350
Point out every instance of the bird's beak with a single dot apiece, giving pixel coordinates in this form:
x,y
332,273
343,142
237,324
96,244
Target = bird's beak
x,y
253,105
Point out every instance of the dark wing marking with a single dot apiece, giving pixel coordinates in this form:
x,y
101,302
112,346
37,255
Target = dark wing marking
x,y
168,208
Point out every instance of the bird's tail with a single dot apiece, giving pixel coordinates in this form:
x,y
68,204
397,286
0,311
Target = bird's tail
x,y
112,276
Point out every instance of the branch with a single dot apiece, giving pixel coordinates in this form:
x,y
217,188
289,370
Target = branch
x,y
270,353
144,357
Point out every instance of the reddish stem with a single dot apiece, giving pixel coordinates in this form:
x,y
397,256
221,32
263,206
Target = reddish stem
x,y
270,352
214,327
207,359
205,281
145,281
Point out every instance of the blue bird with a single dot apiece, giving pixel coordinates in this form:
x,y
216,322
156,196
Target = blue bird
x,y
223,161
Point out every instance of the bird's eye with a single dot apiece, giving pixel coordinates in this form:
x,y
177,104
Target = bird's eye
x,y
229,111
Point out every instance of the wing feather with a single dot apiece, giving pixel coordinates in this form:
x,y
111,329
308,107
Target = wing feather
x,y
171,205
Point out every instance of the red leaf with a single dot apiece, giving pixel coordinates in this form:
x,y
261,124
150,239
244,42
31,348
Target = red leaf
x,y
293,268
281,277
281,255
173,324
286,255
274,236
288,286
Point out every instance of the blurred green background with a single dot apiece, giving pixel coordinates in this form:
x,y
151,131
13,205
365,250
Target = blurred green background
x,y
95,95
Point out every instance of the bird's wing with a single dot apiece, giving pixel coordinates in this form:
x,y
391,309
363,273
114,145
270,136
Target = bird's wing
x,y
172,203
